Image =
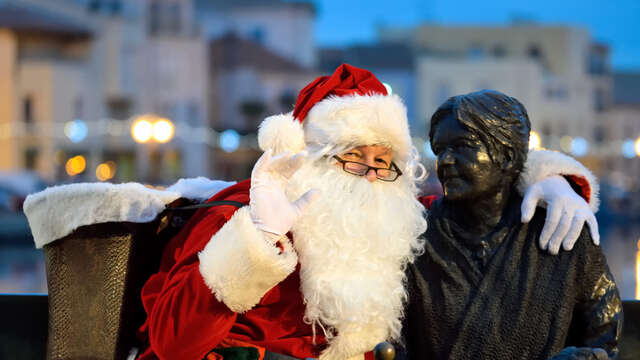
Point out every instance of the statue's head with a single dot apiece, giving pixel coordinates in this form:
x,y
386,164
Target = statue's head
x,y
481,142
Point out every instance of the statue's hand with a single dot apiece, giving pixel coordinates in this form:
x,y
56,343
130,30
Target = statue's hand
x,y
270,209
566,213
582,353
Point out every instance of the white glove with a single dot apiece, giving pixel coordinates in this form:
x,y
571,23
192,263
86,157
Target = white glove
x,y
269,207
566,213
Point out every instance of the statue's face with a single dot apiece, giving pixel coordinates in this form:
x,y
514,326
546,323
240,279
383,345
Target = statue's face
x,y
463,164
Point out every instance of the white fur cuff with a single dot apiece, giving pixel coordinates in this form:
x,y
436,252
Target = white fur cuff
x,y
543,163
239,265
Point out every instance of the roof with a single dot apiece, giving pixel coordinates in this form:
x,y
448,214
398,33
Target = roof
x,y
626,88
32,19
390,56
236,4
231,51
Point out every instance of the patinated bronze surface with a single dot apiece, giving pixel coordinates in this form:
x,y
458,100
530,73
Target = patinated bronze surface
x,y
483,289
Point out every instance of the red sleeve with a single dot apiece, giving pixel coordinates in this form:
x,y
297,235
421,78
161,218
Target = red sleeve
x,y
580,185
428,200
184,319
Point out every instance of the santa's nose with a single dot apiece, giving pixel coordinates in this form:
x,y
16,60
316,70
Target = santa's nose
x,y
371,175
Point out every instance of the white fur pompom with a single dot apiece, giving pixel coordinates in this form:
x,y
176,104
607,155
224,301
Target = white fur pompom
x,y
281,133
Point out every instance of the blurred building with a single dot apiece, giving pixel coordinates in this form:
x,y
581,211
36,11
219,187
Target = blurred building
x,y
622,171
283,27
392,63
558,72
82,71
247,83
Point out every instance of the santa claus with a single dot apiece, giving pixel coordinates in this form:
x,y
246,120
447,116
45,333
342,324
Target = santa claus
x,y
314,265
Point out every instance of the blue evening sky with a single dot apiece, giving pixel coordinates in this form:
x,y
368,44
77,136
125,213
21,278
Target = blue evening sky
x,y
614,22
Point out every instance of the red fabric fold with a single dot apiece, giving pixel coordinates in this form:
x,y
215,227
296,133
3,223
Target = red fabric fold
x,y
346,80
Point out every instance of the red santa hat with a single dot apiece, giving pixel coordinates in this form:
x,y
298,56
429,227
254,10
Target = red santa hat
x,y
334,113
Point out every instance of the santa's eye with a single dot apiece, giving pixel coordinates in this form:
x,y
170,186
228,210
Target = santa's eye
x,y
382,161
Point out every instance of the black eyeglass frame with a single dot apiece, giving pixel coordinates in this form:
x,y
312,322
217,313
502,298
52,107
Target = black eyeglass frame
x,y
393,168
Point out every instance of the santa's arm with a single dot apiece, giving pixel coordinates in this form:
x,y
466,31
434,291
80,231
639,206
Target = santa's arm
x,y
240,264
566,187
545,180
214,278
542,164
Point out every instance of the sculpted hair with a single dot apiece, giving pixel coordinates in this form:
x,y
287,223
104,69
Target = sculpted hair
x,y
499,121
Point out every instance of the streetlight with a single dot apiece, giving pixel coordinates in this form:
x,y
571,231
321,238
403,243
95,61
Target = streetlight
x,y
106,171
142,129
163,130
148,127
76,165
534,140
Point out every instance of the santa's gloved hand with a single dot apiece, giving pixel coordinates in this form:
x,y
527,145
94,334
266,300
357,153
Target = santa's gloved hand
x,y
566,213
269,207
582,353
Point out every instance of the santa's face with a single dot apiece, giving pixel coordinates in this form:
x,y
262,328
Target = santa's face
x,y
374,162
353,244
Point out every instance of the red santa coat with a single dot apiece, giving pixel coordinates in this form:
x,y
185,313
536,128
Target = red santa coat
x,y
209,294
186,321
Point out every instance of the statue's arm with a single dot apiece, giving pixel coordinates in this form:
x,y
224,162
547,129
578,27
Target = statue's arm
x,y
597,320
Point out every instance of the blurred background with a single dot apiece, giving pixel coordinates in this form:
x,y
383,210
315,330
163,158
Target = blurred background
x,y
156,90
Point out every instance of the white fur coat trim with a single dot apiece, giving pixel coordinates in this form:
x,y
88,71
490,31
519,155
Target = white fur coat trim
x,y
543,163
239,265
57,211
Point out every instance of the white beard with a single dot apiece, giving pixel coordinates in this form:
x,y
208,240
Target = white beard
x,y
353,245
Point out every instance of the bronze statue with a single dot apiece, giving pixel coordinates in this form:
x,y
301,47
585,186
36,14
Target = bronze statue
x,y
484,289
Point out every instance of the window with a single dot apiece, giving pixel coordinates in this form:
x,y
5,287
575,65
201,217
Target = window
x,y
287,100
193,114
31,158
475,52
164,17
119,108
27,110
599,134
599,103
258,35
78,109
499,51
534,52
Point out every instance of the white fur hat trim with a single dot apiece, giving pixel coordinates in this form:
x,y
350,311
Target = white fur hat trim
x,y
353,120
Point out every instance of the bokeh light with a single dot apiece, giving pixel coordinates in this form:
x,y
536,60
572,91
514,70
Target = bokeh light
x,y
106,171
229,140
579,146
163,130
565,143
142,130
76,130
76,165
534,140
629,149
638,146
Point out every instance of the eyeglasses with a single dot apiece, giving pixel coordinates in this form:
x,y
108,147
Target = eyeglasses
x,y
360,169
